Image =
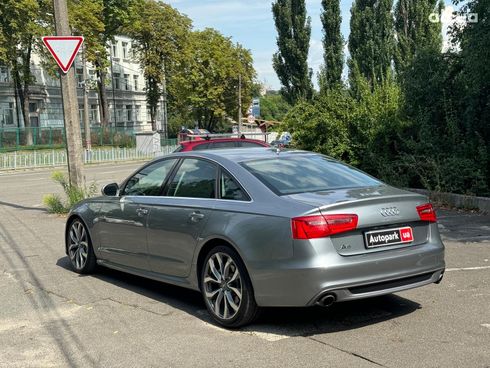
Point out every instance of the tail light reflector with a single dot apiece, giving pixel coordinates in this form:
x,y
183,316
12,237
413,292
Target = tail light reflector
x,y
321,226
427,213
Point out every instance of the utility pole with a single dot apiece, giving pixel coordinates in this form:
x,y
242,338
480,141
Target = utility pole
x,y
239,104
70,104
113,93
86,120
164,104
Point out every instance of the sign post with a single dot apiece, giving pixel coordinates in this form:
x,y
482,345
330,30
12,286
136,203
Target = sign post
x,y
64,49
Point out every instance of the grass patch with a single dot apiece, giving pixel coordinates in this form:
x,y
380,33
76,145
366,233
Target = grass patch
x,y
56,204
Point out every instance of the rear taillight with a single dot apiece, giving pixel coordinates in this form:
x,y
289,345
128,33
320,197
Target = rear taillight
x,y
426,212
311,227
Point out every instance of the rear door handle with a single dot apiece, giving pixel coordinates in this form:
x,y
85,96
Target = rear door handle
x,y
196,216
142,212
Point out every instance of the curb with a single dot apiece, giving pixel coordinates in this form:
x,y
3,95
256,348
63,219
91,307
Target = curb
x,y
457,200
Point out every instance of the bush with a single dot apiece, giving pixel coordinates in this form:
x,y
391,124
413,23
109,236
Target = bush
x,y
55,204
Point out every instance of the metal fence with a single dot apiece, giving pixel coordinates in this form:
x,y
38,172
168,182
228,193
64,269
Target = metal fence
x,y
46,158
17,139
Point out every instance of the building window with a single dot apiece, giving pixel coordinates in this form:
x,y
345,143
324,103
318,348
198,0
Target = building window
x,y
119,114
33,107
117,82
79,74
7,114
135,82
94,114
4,74
137,112
126,82
129,113
125,50
114,50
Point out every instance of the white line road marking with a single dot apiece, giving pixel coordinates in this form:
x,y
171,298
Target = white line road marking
x,y
268,336
468,268
37,179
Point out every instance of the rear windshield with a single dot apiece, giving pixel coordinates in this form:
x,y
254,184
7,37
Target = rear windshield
x,y
307,173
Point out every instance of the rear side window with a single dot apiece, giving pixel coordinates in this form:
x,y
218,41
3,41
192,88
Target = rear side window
x,y
199,147
217,145
249,145
230,189
307,173
195,178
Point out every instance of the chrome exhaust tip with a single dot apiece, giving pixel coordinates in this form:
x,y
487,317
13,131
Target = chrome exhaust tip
x,y
326,300
440,278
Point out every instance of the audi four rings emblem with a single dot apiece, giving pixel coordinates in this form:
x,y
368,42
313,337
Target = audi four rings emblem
x,y
389,211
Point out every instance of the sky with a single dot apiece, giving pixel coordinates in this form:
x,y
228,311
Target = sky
x,y
250,23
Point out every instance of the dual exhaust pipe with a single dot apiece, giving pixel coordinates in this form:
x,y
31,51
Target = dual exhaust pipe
x,y
326,300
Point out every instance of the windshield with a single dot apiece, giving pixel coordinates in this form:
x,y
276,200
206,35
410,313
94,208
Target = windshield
x,y
307,173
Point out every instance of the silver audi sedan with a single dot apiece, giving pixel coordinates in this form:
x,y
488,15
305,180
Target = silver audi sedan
x,y
259,227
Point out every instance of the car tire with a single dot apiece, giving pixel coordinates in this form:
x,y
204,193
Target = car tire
x,y
79,248
227,289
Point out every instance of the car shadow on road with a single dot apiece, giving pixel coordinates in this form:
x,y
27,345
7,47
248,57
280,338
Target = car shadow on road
x,y
280,322
20,207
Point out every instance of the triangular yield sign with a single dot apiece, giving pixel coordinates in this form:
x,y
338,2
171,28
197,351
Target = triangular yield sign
x,y
64,49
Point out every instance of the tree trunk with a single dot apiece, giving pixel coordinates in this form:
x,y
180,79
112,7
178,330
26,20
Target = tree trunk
x,y
24,104
86,111
103,105
16,98
23,93
25,111
153,113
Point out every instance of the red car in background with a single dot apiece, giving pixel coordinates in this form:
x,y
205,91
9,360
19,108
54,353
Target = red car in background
x,y
205,144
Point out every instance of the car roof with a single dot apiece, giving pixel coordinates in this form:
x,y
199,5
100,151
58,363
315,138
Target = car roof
x,y
246,154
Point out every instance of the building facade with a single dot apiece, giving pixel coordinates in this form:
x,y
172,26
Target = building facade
x,y
125,93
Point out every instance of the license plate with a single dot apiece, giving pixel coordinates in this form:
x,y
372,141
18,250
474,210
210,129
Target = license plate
x,y
381,238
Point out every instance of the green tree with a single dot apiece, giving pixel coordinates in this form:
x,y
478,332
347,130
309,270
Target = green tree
x,y
160,35
86,19
365,131
324,125
293,40
115,16
22,23
474,40
415,31
207,90
273,107
333,44
371,40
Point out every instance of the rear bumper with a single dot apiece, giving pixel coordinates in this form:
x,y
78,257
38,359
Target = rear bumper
x,y
302,281
381,288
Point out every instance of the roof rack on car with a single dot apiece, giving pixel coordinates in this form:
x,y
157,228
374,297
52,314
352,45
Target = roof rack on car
x,y
225,135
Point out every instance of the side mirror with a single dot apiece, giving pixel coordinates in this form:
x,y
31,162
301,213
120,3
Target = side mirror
x,y
110,190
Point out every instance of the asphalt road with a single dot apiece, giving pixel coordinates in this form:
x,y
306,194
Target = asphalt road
x,y
52,317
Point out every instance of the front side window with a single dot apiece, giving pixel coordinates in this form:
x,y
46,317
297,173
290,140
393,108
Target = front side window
x,y
195,178
149,181
230,188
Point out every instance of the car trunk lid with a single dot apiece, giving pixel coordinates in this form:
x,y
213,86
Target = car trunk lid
x,y
384,214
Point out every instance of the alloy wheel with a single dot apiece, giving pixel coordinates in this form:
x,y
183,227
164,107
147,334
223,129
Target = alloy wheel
x,y
78,244
223,286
